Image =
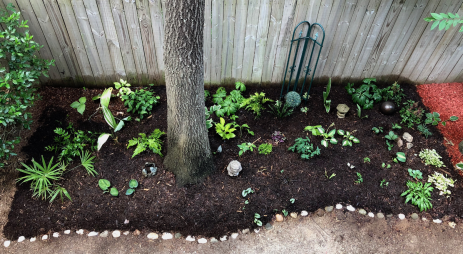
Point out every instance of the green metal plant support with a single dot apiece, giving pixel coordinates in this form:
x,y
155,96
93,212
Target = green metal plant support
x,y
296,68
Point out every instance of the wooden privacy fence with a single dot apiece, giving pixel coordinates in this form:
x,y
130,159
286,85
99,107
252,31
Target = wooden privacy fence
x,y
97,42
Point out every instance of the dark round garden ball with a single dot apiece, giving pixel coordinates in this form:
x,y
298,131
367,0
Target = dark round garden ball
x,y
387,108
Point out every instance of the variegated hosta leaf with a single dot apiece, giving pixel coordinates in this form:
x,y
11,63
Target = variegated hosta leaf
x,y
324,143
341,132
356,140
333,141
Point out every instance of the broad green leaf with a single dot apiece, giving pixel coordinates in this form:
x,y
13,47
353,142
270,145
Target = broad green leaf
x,y
341,132
331,133
401,157
102,139
444,15
119,126
333,141
129,192
451,15
108,116
75,104
345,142
82,100
105,97
133,183
436,16
453,118
356,140
434,25
104,184
114,192
81,109
442,24
324,143
460,165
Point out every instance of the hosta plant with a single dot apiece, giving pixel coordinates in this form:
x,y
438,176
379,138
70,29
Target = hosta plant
x,y
152,142
419,195
442,183
349,139
328,136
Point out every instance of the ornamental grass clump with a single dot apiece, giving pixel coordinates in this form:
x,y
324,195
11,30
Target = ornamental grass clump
x,y
431,157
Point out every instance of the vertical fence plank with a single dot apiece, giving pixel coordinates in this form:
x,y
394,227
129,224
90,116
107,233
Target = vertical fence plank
x,y
99,37
147,36
284,40
130,13
339,38
420,11
123,40
272,40
241,11
250,40
387,35
312,18
157,22
354,31
60,70
65,12
111,39
207,44
216,36
261,41
456,72
426,45
228,33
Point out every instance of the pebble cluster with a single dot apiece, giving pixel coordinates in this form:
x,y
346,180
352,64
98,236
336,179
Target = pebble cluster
x,y
189,238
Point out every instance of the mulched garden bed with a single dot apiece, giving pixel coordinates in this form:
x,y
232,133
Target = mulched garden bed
x,y
215,206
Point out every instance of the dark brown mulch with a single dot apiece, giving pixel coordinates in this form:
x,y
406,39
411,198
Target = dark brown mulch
x,y
215,206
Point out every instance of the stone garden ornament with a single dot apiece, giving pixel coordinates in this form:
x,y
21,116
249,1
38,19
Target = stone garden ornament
x,y
234,168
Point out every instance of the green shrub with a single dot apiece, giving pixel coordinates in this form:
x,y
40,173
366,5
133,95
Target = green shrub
x,y
17,82
140,102
411,114
305,148
431,157
153,142
255,103
265,148
419,195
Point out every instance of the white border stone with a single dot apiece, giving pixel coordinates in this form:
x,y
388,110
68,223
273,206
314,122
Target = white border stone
x,y
21,239
190,238
44,237
304,213
152,236
234,235
33,239
223,238
372,215
93,233
167,236
116,233
56,234
67,232
6,243
438,221
202,240
80,232
338,206
350,208
401,216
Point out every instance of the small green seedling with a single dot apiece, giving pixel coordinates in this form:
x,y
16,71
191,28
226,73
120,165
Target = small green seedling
x,y
359,178
285,213
133,184
114,192
415,173
329,177
79,105
366,159
377,130
396,126
390,137
383,183
104,185
256,219
384,165
292,200
359,112
247,191
246,147
281,171
304,110
401,157
348,138
459,165
265,148
350,165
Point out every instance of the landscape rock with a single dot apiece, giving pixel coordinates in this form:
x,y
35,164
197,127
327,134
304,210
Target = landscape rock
x,y
279,217
223,238
371,215
33,239
338,206
407,137
350,208
329,209
136,232
213,240
56,235
116,233
245,231
6,243
93,233
67,232
104,233
167,236
305,213
380,215
257,230
452,224
293,215
400,143
80,232
234,235
268,226
126,232
409,145
44,237
202,240
389,215
401,216
362,211
177,235
437,221
414,216
190,238
234,168
152,236
320,212
21,239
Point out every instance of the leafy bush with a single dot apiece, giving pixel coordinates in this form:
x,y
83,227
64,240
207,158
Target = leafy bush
x,y
17,82
152,142
246,147
79,105
68,144
431,157
442,183
419,195
281,109
265,148
225,130
411,114
424,130
393,93
366,95
228,104
140,102
255,103
305,148
415,173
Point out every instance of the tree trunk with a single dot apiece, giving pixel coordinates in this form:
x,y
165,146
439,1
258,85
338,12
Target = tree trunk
x,y
189,154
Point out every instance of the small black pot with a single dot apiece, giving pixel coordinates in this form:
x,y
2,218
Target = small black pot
x,y
387,108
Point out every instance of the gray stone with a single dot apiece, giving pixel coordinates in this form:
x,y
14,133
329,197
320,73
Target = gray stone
x,y
177,235
400,143
104,233
320,212
245,231
268,226
213,240
407,137
380,215
389,215
329,209
409,145
234,168
362,212
415,216
460,147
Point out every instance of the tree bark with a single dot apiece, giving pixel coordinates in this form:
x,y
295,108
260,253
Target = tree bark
x,y
189,154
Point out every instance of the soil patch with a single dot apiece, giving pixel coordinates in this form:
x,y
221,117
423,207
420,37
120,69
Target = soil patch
x,y
215,206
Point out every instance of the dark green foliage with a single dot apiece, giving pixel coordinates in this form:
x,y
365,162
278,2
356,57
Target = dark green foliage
x,y
424,130
17,82
152,142
281,109
393,93
140,102
68,144
377,130
366,95
293,99
415,173
411,114
419,195
305,148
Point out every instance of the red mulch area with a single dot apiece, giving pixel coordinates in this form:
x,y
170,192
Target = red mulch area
x,y
447,100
